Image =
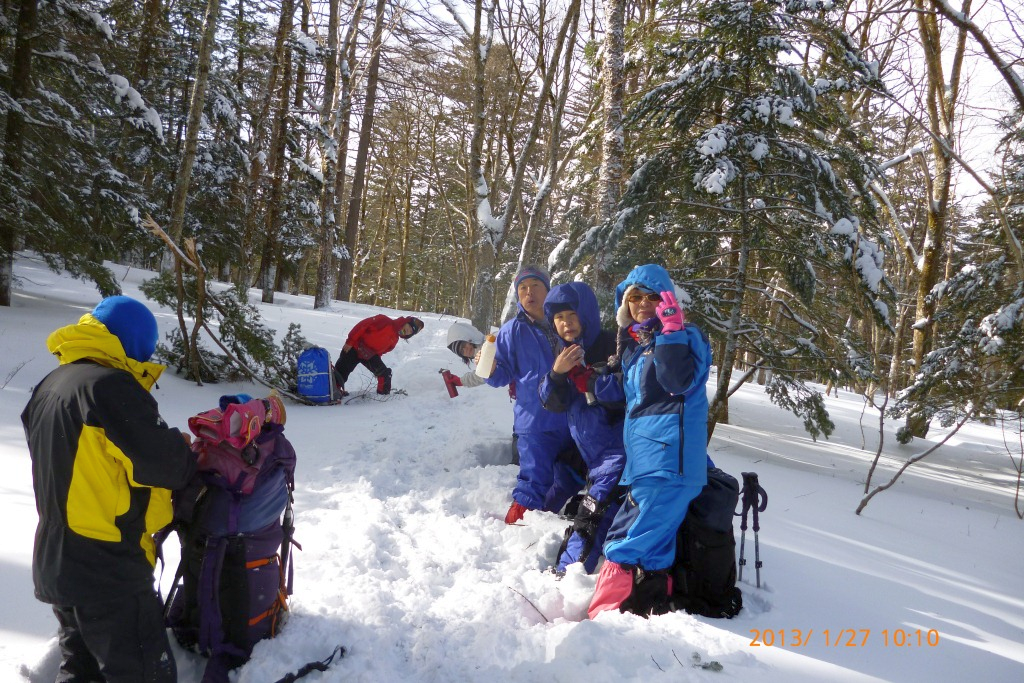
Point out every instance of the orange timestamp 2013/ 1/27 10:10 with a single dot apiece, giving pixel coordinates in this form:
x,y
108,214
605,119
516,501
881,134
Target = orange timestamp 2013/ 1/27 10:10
x,y
847,637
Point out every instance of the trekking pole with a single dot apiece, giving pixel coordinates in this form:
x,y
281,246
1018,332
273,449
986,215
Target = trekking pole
x,y
288,531
754,499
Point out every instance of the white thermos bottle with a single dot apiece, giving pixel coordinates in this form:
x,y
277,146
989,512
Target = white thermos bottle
x,y
486,363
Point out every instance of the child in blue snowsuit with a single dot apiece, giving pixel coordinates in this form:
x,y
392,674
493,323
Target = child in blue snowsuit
x,y
597,430
665,367
525,352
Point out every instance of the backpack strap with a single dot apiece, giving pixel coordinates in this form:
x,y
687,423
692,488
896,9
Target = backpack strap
x,y
211,629
211,626
234,509
176,586
321,665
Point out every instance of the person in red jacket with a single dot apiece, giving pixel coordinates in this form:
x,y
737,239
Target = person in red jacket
x,y
367,342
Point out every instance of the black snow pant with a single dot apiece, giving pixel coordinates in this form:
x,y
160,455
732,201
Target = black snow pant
x,y
347,362
120,641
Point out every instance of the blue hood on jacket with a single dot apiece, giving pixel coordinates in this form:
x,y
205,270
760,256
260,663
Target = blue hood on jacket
x,y
650,276
578,297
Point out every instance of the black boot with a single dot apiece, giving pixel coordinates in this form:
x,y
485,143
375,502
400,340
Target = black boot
x,y
650,594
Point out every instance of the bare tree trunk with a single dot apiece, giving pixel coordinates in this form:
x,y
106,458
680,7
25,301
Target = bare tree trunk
x,y
10,181
300,67
195,113
403,251
346,64
363,150
183,176
1013,81
299,285
493,233
329,153
151,15
379,240
426,239
483,236
896,371
380,296
719,409
553,171
613,148
941,100
268,262
256,156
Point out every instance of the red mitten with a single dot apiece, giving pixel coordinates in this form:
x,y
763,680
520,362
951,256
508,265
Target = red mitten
x,y
515,513
580,376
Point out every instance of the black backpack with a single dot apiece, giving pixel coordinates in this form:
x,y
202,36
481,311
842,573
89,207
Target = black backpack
x,y
704,571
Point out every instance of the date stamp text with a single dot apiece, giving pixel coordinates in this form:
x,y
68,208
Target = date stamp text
x,y
845,637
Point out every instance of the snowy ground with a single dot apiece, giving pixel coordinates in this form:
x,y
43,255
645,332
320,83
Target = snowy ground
x,y
406,560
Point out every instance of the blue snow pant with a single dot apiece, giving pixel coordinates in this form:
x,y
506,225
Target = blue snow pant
x,y
643,532
569,479
538,455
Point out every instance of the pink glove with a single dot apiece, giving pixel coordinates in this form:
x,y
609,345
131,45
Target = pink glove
x,y
669,313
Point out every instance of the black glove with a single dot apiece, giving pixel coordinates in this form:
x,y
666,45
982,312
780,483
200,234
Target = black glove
x,y
588,516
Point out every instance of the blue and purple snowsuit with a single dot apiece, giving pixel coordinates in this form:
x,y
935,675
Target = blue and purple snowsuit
x,y
596,429
665,434
524,355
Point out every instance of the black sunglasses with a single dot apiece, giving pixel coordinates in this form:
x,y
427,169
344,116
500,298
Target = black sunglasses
x,y
638,297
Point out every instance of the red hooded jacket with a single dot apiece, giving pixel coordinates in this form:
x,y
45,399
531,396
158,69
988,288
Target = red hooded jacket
x,y
375,336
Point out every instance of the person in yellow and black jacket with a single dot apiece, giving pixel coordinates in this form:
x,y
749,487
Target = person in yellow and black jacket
x,y
104,464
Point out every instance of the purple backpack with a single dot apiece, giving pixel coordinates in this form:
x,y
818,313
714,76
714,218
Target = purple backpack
x,y
235,576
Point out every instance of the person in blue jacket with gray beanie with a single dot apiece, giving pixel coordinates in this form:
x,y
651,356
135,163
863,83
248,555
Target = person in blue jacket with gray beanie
x,y
596,428
525,350
665,365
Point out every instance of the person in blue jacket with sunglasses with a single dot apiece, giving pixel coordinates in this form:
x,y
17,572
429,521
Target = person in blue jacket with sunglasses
x,y
665,365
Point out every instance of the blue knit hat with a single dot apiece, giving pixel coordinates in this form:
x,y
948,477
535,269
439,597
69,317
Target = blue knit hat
x,y
534,272
132,323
